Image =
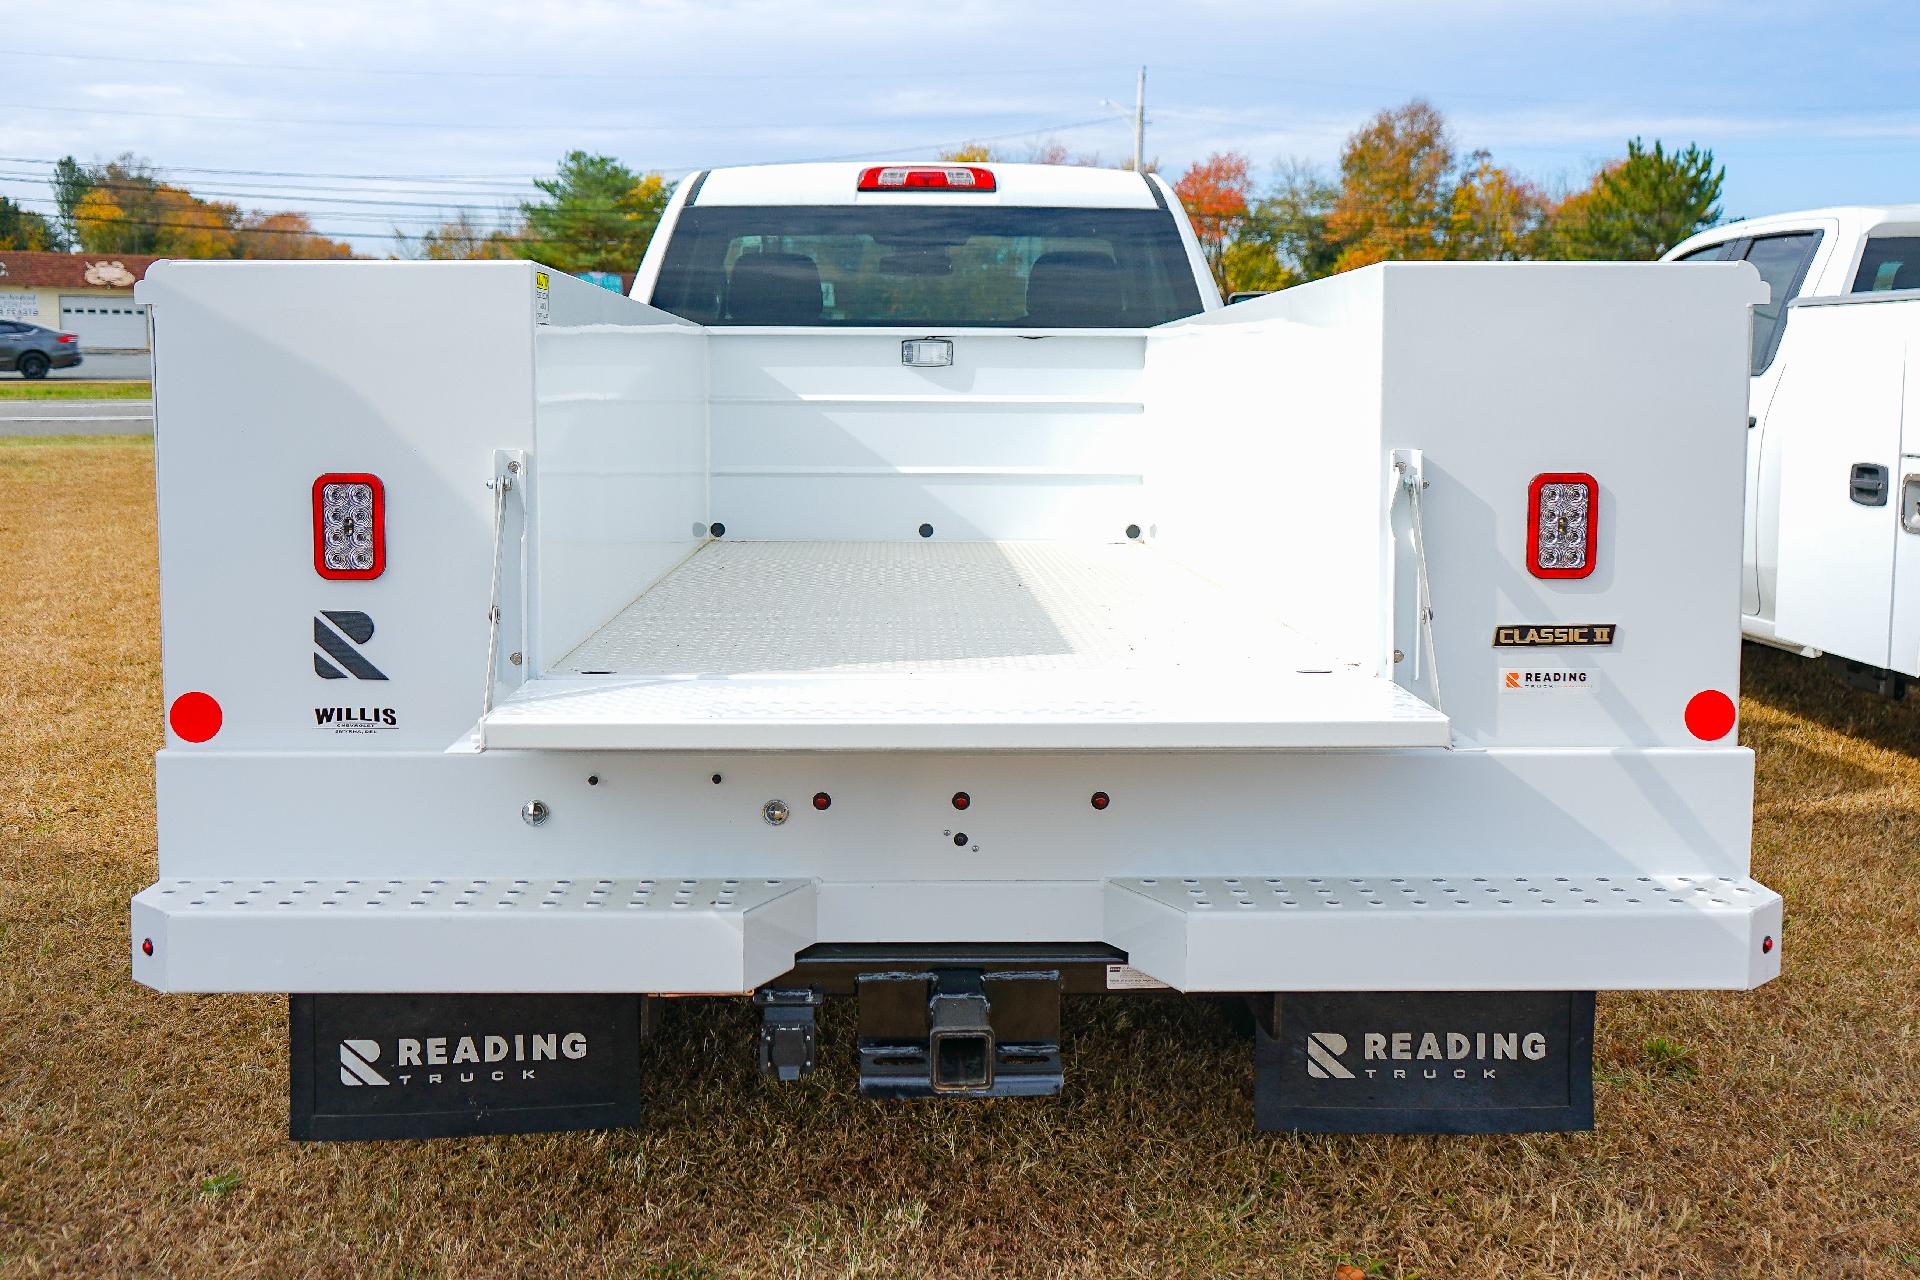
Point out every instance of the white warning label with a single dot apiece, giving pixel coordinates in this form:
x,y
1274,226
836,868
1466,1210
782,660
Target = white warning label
x,y
1124,977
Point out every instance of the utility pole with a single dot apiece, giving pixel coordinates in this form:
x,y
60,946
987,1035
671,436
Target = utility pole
x,y
1139,119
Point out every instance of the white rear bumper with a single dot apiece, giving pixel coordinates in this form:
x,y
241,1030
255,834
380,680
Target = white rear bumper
x,y
1251,933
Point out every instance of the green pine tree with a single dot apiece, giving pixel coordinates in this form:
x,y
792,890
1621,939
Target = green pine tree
x,y
598,215
1640,207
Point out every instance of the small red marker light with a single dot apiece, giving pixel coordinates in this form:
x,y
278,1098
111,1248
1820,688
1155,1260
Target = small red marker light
x,y
1766,945
195,717
822,800
961,799
146,945
1710,715
1100,800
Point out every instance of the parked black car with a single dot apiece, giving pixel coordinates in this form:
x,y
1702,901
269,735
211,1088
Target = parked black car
x,y
34,350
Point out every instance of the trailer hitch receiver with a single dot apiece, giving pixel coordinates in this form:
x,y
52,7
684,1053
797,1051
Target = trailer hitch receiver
x,y
960,1033
960,1038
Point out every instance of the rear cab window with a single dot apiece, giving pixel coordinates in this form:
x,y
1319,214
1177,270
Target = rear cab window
x,y
1889,262
931,267
1782,260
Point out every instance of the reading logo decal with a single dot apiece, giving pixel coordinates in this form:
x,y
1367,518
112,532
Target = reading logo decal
x,y
1523,680
356,1062
1323,1056
482,1052
1476,1049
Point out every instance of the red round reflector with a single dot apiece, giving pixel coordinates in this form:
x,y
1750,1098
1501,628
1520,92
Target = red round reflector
x,y
961,799
195,717
146,945
1100,800
1766,945
821,800
1710,715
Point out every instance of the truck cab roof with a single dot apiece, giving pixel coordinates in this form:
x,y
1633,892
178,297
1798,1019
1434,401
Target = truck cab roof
x,y
1038,185
1850,222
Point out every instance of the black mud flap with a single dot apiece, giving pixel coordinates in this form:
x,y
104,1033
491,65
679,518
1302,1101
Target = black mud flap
x,y
439,1066
1425,1062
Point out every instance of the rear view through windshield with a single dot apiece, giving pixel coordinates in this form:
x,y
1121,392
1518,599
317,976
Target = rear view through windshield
x,y
933,267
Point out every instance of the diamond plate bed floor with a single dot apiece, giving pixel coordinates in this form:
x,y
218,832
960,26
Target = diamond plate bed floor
x,y
958,646
739,607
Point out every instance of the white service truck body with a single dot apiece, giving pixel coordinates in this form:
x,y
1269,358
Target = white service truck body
x,y
1832,559
1215,649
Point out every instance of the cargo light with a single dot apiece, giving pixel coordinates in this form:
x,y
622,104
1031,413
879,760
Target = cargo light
x,y
1560,524
911,177
349,526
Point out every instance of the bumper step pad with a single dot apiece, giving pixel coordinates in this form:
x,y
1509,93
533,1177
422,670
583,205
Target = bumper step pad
x,y
495,934
1447,933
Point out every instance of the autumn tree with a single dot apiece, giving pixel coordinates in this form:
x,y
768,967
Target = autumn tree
x,y
462,239
1640,207
24,229
286,235
598,214
971,153
1214,193
1283,238
1496,216
1396,189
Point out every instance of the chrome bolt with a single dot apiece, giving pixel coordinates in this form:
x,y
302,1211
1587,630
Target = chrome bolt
x,y
514,658
514,467
775,812
534,812
1399,656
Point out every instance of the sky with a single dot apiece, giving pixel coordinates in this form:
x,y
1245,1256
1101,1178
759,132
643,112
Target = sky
x,y
382,115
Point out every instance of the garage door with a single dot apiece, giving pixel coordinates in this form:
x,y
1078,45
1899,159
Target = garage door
x,y
105,322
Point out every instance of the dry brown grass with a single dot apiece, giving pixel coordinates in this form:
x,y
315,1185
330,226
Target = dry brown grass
x,y
1793,1147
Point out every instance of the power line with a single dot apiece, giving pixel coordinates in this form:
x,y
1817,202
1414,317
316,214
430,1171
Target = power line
x,y
292,173
269,193
919,72
447,125
864,153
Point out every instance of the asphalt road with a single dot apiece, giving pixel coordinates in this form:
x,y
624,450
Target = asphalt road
x,y
76,417
101,366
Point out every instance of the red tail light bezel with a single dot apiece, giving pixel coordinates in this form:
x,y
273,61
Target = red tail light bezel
x,y
379,491
922,177
1540,482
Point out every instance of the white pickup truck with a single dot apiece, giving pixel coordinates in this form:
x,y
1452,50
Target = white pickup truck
x,y
1832,563
923,589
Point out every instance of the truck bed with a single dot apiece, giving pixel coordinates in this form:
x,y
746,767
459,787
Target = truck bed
x,y
951,645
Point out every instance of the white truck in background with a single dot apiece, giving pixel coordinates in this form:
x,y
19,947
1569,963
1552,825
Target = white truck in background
x,y
1832,561
922,589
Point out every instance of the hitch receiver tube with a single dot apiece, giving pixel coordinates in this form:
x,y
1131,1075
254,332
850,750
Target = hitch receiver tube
x,y
960,1037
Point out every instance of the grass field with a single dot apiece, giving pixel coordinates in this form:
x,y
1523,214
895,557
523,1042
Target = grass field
x,y
1774,1132
45,389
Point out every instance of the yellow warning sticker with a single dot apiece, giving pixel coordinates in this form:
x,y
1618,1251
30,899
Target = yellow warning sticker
x,y
539,279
